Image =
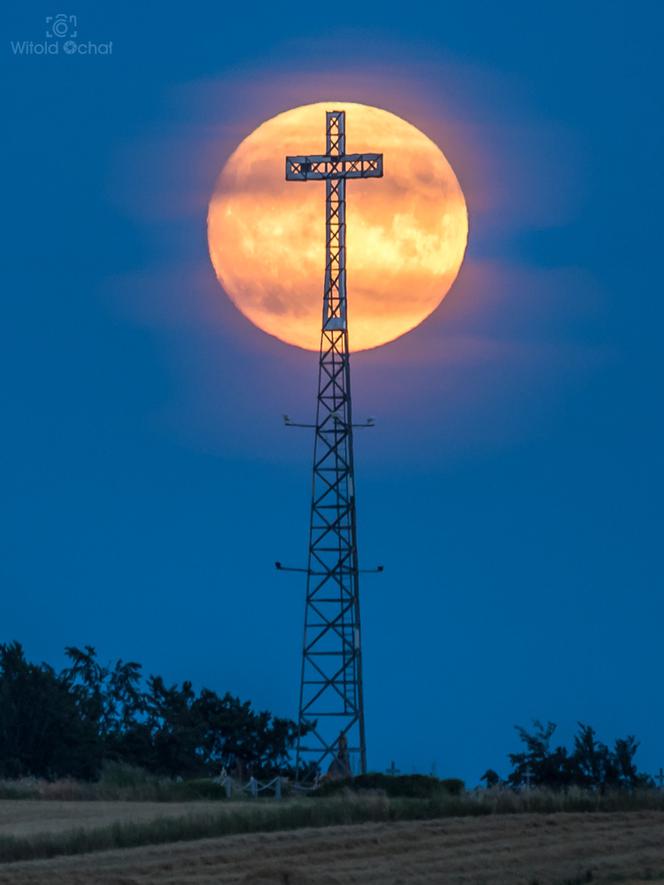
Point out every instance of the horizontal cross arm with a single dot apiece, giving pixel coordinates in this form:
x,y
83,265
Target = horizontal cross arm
x,y
323,166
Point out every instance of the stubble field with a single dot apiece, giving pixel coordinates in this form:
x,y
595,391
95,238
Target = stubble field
x,y
534,849
28,818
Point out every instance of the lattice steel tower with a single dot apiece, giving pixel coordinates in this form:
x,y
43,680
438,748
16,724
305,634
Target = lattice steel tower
x,y
331,681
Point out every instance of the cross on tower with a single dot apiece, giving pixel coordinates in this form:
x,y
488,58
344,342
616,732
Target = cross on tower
x,y
334,167
331,679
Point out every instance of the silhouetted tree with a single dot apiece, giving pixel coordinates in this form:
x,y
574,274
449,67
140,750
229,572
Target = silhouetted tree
x,y
69,723
42,729
591,759
539,765
624,770
491,778
591,764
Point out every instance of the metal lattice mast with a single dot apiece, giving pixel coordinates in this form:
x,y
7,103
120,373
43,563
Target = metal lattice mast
x,y
331,681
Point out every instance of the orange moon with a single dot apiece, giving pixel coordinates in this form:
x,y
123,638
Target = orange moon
x,y
406,233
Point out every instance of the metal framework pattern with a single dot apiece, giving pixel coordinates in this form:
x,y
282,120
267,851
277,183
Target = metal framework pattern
x,y
331,677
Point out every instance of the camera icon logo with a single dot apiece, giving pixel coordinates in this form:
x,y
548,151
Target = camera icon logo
x,y
61,25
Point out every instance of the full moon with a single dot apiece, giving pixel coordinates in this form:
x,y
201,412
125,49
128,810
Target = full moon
x,y
406,232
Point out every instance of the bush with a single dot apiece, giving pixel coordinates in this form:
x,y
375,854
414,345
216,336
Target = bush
x,y
120,774
195,789
409,786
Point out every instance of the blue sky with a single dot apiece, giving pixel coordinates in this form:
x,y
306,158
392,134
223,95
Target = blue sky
x,y
512,485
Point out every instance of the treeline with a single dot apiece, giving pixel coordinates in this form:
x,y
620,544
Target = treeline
x,y
69,723
590,764
73,722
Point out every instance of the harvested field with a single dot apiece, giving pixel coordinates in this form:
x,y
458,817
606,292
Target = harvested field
x,y
26,818
564,849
